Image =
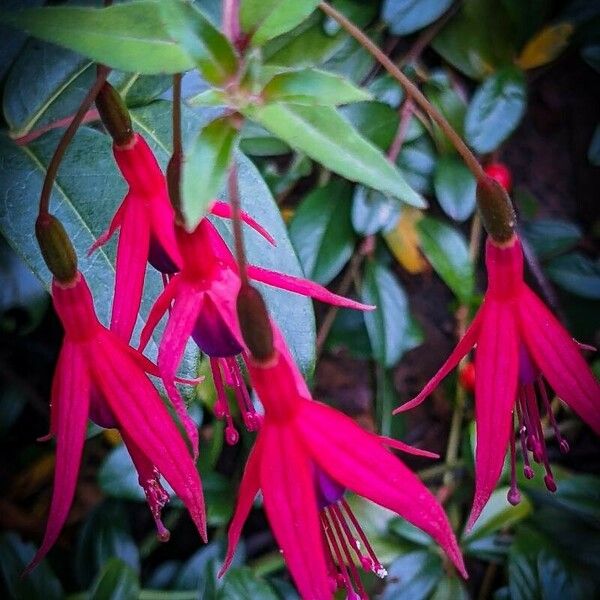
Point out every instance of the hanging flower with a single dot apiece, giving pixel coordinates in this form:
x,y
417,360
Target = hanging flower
x,y
146,221
202,301
99,377
305,457
520,347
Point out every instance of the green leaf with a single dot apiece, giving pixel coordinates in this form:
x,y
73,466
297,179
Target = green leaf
x,y
375,121
15,555
242,583
134,36
446,250
549,237
441,93
266,19
104,535
311,86
146,36
450,588
407,16
496,109
117,581
210,50
387,90
454,187
323,134
47,83
577,274
321,231
390,326
417,162
257,141
498,514
205,168
373,211
491,35
414,575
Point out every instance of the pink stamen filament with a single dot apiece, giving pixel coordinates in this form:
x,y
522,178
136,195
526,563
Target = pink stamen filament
x,y
563,444
375,565
226,369
333,517
513,496
334,548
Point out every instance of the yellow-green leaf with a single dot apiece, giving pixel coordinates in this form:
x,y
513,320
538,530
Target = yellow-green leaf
x,y
545,46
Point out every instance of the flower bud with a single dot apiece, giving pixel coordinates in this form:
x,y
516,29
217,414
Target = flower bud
x,y
254,323
496,210
114,115
57,250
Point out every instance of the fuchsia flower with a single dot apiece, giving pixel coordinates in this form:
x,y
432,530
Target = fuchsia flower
x,y
305,456
519,344
100,377
146,220
203,295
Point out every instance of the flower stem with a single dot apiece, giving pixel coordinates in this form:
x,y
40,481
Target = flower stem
x,y
176,116
238,234
411,89
67,137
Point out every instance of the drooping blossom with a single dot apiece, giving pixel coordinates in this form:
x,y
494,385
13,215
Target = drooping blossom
x,y
202,301
146,222
304,459
98,376
520,346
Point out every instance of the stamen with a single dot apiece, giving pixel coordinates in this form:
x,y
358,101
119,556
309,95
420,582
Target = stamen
x,y
373,565
331,513
562,443
527,470
221,407
513,496
333,545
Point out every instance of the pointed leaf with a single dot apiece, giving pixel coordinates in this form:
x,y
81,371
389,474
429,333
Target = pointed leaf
x,y
132,36
545,46
407,16
266,19
496,109
446,250
454,187
414,575
391,328
327,137
311,86
46,84
321,231
116,581
372,211
205,167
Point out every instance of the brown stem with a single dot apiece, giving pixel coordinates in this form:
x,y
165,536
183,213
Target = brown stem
x,y
177,145
67,137
410,88
238,234
405,115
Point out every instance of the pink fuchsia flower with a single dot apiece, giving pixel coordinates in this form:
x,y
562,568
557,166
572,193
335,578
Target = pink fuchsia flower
x,y
147,235
519,347
98,376
305,457
202,300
